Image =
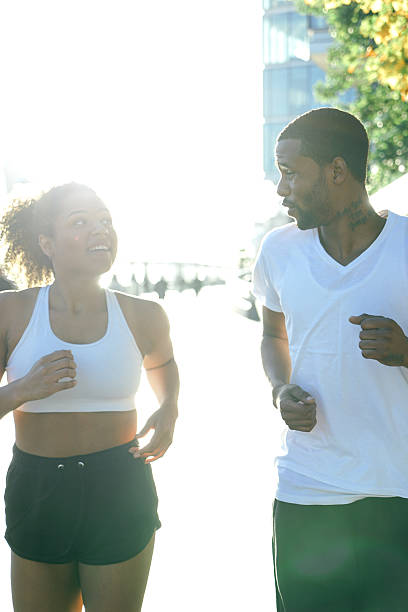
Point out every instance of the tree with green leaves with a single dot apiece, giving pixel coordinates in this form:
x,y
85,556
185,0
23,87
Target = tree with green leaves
x,y
369,55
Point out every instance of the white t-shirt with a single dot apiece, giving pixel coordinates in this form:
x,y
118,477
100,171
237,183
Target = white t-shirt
x,y
359,447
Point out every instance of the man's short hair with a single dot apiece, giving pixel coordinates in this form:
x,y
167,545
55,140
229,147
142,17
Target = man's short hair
x,y
326,133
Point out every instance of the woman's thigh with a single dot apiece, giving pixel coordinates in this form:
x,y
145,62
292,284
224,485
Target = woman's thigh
x,y
44,586
118,586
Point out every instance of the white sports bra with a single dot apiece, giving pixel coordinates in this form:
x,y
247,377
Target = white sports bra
x,y
108,370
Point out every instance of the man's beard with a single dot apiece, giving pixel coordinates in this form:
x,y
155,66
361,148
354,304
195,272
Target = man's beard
x,y
316,203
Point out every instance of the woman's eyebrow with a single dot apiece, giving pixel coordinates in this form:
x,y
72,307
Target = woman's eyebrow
x,y
75,212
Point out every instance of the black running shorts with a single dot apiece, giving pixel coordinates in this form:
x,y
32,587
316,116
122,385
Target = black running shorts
x,y
97,508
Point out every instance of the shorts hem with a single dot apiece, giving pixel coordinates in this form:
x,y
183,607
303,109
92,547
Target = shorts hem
x,y
122,559
37,558
72,559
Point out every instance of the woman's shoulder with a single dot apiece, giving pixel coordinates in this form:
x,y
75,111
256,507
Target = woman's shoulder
x,y
18,297
139,306
14,300
16,307
143,314
6,283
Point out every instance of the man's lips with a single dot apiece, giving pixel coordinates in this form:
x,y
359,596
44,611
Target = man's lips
x,y
291,207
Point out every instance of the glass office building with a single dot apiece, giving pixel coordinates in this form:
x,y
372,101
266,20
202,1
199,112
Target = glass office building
x,y
295,49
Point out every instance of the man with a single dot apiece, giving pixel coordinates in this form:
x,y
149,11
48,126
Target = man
x,y
334,289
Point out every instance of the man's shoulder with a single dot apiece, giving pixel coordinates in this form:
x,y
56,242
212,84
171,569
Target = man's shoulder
x,y
398,218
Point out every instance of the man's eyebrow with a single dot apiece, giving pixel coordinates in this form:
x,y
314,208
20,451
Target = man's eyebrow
x,y
284,164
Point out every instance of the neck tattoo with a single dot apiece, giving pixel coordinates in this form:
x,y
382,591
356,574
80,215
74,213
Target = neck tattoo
x,y
357,216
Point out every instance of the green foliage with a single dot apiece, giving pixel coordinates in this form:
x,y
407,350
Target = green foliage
x,y
383,111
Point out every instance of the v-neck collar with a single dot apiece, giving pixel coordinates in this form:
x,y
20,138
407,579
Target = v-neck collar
x,y
366,253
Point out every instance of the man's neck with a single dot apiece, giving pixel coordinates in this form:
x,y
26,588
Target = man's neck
x,y
353,228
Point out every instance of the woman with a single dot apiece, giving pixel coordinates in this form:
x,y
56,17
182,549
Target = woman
x,y
80,498
6,283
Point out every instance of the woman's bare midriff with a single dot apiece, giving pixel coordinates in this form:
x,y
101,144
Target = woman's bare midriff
x,y
54,434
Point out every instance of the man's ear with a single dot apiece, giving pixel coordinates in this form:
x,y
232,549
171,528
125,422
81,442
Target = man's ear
x,y
339,170
46,245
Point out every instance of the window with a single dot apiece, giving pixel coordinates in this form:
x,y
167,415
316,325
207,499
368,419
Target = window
x,y
288,91
317,23
298,40
270,133
317,74
275,39
275,90
285,38
299,91
270,4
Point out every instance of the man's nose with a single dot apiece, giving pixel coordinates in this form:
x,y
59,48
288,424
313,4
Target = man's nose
x,y
283,188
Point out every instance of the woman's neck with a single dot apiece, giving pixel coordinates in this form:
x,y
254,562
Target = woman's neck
x,y
76,295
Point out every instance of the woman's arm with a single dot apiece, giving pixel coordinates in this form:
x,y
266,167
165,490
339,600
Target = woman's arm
x,y
162,374
10,395
161,369
164,380
43,378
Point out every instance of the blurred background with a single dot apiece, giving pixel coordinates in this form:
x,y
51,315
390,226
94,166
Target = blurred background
x,y
170,111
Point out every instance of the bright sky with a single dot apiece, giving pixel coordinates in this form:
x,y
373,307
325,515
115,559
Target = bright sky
x,y
155,104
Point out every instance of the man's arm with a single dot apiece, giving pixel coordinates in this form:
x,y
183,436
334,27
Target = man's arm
x,y
275,350
382,339
297,407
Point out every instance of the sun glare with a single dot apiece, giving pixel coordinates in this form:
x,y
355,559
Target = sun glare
x,y
158,106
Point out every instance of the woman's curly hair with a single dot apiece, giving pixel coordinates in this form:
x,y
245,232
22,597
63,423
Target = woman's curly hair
x,y
20,228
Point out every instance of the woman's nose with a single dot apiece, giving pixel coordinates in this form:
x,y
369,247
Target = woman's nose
x,y
99,228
